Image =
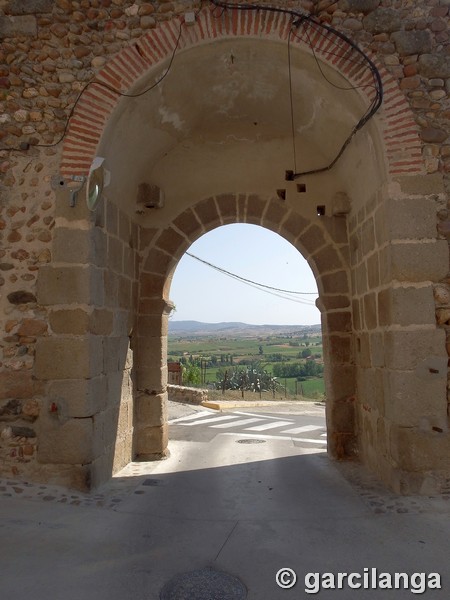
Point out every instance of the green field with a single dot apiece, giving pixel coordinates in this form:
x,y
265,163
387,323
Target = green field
x,y
225,354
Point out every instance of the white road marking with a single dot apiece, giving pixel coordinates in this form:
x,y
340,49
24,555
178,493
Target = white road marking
x,y
201,413
247,414
212,420
266,426
236,423
303,429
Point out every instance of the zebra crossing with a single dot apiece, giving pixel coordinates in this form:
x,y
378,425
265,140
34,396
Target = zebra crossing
x,y
256,425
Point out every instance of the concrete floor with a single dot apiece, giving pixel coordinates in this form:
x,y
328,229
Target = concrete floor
x,y
248,510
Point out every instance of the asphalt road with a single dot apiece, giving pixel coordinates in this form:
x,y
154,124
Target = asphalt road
x,y
219,506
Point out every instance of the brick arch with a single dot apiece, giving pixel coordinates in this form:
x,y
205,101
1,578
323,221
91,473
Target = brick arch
x,y
323,245
397,125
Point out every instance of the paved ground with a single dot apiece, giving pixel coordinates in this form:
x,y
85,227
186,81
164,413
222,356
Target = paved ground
x,y
244,509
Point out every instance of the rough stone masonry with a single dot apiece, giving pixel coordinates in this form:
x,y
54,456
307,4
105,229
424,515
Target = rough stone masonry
x,y
84,296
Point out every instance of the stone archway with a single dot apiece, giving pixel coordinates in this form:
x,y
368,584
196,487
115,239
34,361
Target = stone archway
x,y
109,278
322,242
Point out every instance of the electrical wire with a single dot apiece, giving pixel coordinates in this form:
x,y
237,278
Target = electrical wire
x,y
113,90
260,286
291,100
299,17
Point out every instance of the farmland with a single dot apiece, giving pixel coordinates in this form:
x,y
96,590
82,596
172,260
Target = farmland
x,y
294,359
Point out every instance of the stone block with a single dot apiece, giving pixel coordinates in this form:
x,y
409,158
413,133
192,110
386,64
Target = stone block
x,y
106,428
146,236
333,302
101,322
367,237
151,351
409,349
364,353
29,7
327,260
32,327
112,218
124,227
377,349
153,326
150,410
123,324
416,451
370,311
115,254
422,185
335,283
158,262
382,20
79,398
151,379
68,357
341,416
412,42
339,322
23,26
434,66
79,246
341,381
70,285
293,226
115,354
274,215
420,261
172,242
152,285
151,442
189,225
373,271
255,207
412,402
124,293
371,390
111,287
406,306
75,322
130,263
336,228
359,6
411,218
19,385
65,442
340,348
312,239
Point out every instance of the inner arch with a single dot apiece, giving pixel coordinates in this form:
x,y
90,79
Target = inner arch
x,y
255,254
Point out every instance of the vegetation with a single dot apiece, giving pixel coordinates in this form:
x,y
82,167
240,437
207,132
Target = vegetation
x,y
285,366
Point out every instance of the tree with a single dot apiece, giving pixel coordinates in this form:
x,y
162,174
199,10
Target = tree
x,y
261,350
305,353
191,375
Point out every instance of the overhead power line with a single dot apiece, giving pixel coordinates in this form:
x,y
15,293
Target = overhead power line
x,y
260,286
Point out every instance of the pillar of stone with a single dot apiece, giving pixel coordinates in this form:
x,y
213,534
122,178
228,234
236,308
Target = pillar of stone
x,y
150,424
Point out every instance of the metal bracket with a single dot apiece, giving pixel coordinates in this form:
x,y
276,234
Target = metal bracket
x,y
73,185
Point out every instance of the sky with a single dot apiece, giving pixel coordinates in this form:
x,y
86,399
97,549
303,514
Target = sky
x,y
200,293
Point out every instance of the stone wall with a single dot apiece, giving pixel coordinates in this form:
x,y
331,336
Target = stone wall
x,y
70,317
179,393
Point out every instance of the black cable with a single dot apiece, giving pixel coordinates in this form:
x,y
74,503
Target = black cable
x,y
111,89
299,18
243,279
291,100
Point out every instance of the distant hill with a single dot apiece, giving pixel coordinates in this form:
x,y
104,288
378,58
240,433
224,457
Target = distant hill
x,y
232,329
